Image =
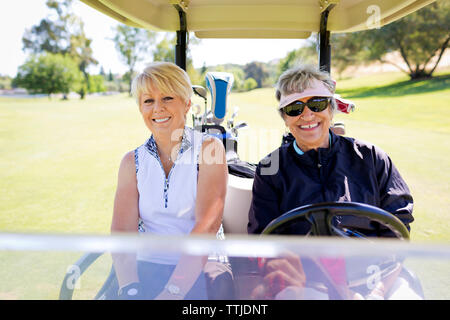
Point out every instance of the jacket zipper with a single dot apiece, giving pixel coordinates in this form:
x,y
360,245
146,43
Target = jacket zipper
x,y
319,167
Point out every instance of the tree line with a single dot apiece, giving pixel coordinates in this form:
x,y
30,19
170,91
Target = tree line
x,y
60,53
420,38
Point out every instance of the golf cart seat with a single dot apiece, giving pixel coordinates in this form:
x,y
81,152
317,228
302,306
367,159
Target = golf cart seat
x,y
237,204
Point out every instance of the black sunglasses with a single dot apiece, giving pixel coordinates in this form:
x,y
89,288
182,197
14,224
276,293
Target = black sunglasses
x,y
315,104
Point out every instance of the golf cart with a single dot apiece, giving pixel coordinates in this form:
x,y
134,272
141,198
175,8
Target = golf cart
x,y
293,19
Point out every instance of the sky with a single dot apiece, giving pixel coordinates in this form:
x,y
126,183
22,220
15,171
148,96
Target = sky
x,y
20,15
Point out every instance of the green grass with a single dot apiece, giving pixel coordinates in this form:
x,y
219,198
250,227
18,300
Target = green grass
x,y
59,160
411,121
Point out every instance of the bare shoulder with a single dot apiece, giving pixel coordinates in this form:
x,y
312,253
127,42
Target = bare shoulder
x,y
129,156
127,166
128,159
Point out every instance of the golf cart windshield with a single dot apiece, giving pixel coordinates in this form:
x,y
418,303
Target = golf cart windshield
x,y
56,266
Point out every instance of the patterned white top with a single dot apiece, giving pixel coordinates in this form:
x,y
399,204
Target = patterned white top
x,y
167,204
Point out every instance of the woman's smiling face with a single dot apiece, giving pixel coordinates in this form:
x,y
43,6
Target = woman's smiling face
x,y
163,113
310,129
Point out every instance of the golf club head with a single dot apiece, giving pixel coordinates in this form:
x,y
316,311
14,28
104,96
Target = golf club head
x,y
200,91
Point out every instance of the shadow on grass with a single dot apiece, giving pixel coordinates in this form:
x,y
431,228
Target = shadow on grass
x,y
400,88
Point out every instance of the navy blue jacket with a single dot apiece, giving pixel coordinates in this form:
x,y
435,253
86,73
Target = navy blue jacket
x,y
349,171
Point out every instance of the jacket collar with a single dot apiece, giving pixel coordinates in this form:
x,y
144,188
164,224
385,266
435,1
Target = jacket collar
x,y
312,157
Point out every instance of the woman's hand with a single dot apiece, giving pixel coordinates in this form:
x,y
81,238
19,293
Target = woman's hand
x,y
211,187
279,275
211,191
165,295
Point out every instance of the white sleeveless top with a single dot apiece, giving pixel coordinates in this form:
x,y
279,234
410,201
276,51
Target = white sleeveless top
x,y
167,204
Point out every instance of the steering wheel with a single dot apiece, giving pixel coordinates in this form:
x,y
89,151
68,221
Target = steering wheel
x,y
321,215
321,218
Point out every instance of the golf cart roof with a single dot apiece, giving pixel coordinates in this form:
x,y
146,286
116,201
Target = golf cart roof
x,y
256,18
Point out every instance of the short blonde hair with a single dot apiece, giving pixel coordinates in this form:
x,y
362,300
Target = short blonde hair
x,y
164,76
299,78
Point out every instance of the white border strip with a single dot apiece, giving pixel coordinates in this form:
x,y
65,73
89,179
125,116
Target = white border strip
x,y
234,245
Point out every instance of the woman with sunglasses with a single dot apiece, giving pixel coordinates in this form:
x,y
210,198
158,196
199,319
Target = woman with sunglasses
x,y
320,166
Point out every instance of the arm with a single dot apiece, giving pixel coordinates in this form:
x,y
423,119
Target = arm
x,y
211,191
125,218
283,278
395,196
211,188
265,203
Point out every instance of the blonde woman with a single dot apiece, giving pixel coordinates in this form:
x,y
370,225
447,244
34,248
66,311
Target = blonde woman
x,y
173,184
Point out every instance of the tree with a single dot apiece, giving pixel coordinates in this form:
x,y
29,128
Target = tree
x,y
132,43
5,82
249,84
62,32
96,83
110,76
80,50
304,54
102,72
49,73
238,75
418,37
51,34
257,71
165,49
236,70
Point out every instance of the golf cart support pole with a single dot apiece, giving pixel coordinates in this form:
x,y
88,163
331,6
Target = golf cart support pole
x,y
181,46
324,37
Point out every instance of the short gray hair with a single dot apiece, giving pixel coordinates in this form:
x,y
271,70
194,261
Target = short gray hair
x,y
299,78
